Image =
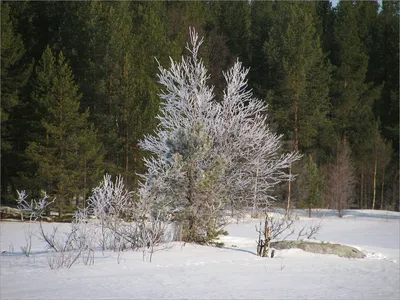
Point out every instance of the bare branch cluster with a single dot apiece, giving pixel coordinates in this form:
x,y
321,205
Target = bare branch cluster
x,y
35,208
114,220
282,227
340,188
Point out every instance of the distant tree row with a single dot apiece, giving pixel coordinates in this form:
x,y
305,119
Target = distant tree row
x,y
79,91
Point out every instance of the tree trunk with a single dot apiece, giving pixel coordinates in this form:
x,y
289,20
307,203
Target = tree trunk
x,y
134,157
383,186
395,201
366,192
341,183
340,200
126,152
374,194
296,143
362,189
255,194
267,235
191,217
62,201
289,191
61,120
375,169
84,183
296,135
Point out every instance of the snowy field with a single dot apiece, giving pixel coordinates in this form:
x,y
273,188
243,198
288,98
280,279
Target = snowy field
x,y
232,272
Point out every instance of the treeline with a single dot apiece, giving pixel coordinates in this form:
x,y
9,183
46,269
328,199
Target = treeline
x,y
79,90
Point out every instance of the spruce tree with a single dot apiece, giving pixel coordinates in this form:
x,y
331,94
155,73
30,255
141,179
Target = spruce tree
x,y
299,70
313,183
386,58
324,17
67,154
299,95
261,22
353,97
15,72
235,23
119,83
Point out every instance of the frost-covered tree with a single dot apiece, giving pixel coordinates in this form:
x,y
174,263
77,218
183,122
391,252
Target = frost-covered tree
x,y
208,155
243,135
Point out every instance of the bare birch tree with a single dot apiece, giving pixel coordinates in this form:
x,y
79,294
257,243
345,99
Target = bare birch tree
x,y
341,180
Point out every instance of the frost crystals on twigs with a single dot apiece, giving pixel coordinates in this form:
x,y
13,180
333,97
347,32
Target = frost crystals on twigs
x,y
36,208
209,156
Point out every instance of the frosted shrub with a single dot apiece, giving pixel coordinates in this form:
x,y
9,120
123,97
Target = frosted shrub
x,y
108,205
115,220
35,208
66,248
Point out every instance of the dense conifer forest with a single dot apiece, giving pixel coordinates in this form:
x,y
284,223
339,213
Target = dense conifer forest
x,y
79,91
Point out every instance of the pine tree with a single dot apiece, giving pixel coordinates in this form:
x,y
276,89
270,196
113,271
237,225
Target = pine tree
x,y
205,17
299,78
261,23
386,66
15,73
119,84
313,183
235,23
324,17
353,97
299,96
67,155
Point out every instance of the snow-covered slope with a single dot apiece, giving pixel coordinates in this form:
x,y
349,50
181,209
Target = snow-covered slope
x,y
233,272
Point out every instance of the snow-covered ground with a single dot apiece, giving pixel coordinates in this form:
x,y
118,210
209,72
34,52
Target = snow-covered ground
x,y
232,272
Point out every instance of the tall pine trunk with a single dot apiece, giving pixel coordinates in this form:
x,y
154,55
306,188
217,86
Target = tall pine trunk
x,y
362,188
84,183
295,125
374,187
61,121
296,143
61,152
126,152
383,186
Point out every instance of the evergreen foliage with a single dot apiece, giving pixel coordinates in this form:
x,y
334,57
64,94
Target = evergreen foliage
x,y
67,154
299,96
328,73
313,186
15,73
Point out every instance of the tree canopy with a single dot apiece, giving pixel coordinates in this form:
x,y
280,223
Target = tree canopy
x,y
80,89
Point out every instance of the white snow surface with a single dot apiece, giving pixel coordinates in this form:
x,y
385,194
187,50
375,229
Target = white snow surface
x,y
202,272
